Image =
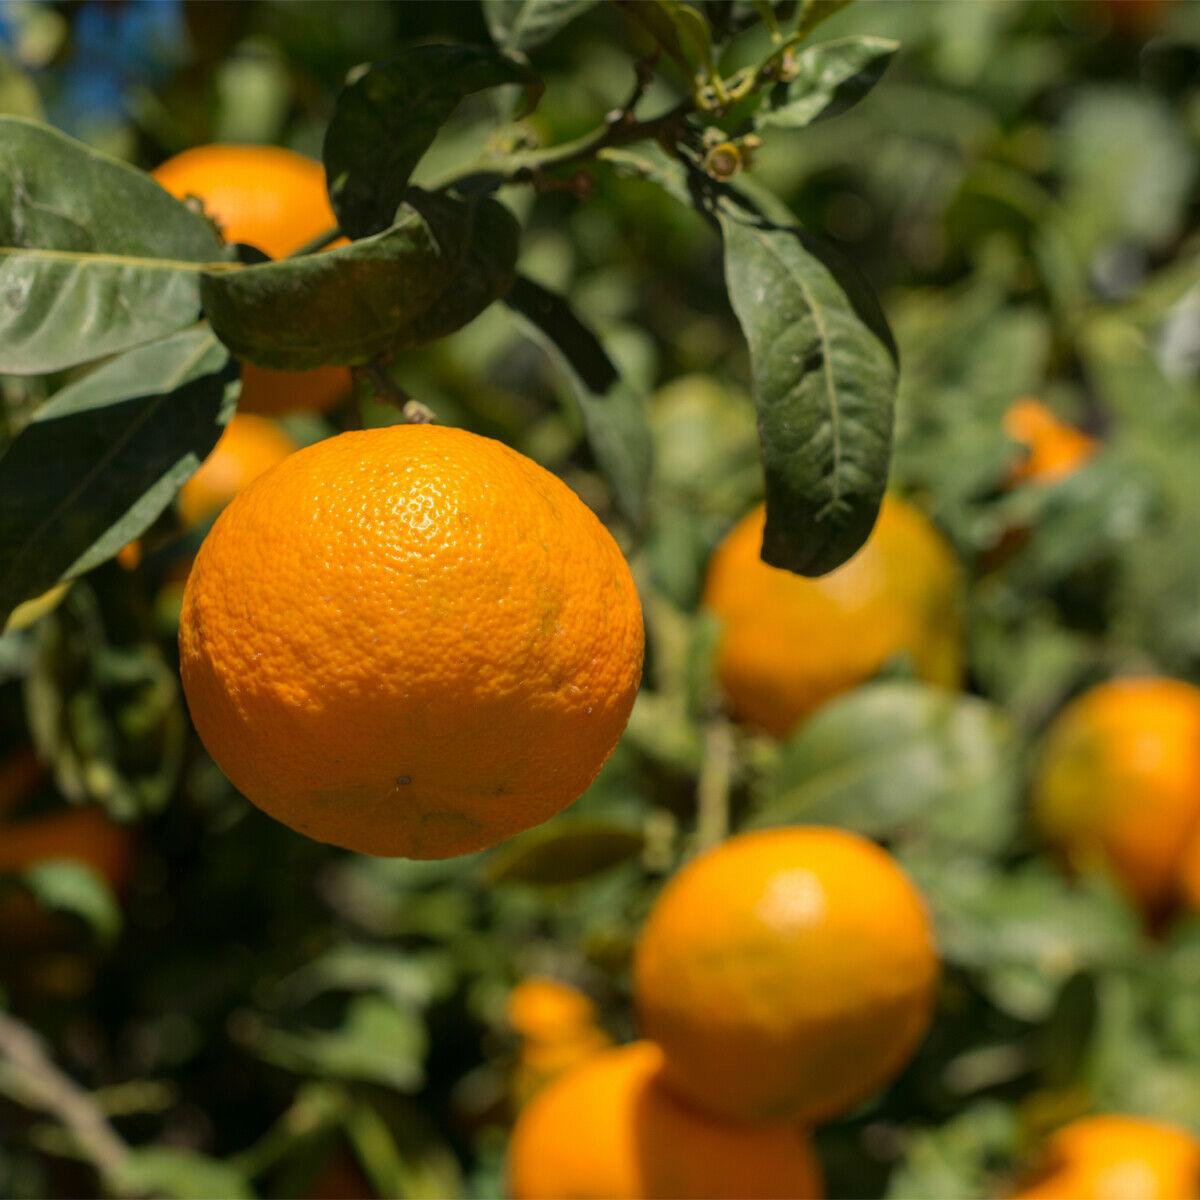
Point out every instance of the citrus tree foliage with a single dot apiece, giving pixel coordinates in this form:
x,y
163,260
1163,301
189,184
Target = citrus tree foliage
x,y
633,241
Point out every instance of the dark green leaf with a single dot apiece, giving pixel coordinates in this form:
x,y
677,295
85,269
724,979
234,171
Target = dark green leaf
x,y
72,887
105,455
431,273
523,24
613,414
387,117
564,852
825,380
829,78
96,257
180,1175
901,761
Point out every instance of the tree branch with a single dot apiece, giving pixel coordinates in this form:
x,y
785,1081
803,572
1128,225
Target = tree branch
x,y
39,1084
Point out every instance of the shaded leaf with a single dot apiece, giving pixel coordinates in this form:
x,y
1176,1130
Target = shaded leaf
x,y
563,852
95,257
387,117
523,24
180,1175
824,385
105,455
614,415
431,273
377,1042
829,78
902,761
66,885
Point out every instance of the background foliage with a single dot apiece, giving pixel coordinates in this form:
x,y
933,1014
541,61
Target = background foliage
x,y
257,1011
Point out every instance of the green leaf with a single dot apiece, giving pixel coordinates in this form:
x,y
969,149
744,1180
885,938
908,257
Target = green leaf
x,y
901,761
95,257
523,24
614,415
72,887
387,117
829,78
428,275
180,1175
105,455
564,852
378,1042
825,379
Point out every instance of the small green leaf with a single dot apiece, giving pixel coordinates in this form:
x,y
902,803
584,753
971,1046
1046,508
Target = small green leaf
x,y
387,117
829,78
825,380
377,1042
180,1175
105,455
523,24
72,887
431,273
614,415
95,257
901,761
564,852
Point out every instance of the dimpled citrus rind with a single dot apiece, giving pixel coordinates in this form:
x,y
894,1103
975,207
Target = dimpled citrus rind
x,y
410,641
608,1130
786,973
788,644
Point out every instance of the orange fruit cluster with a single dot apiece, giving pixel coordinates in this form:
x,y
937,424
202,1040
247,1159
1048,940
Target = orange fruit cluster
x,y
410,641
1117,786
275,200
788,644
1115,1157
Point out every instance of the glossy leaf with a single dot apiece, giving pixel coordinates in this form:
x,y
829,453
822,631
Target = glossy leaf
x,y
829,78
428,275
105,455
564,852
95,257
825,380
901,760
523,24
387,117
614,415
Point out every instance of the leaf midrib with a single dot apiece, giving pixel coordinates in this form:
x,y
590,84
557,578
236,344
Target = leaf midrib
x,y
123,260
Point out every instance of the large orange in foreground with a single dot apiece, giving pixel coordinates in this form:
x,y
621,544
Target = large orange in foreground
x,y
1115,1157
410,641
788,643
1117,785
274,199
787,973
608,1130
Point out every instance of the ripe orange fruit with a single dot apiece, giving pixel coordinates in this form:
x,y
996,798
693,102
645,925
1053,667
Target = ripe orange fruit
x,y
558,1030
1117,785
274,199
248,447
1054,449
1189,873
786,973
1117,1158
789,644
410,641
608,1130
85,835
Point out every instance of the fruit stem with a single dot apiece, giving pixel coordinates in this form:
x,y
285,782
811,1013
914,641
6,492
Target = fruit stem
x,y
712,788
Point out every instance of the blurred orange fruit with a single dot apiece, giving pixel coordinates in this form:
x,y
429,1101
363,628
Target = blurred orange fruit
x,y
410,641
1189,873
608,1130
788,643
786,973
276,200
1117,784
248,447
1053,449
558,1030
1115,1157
